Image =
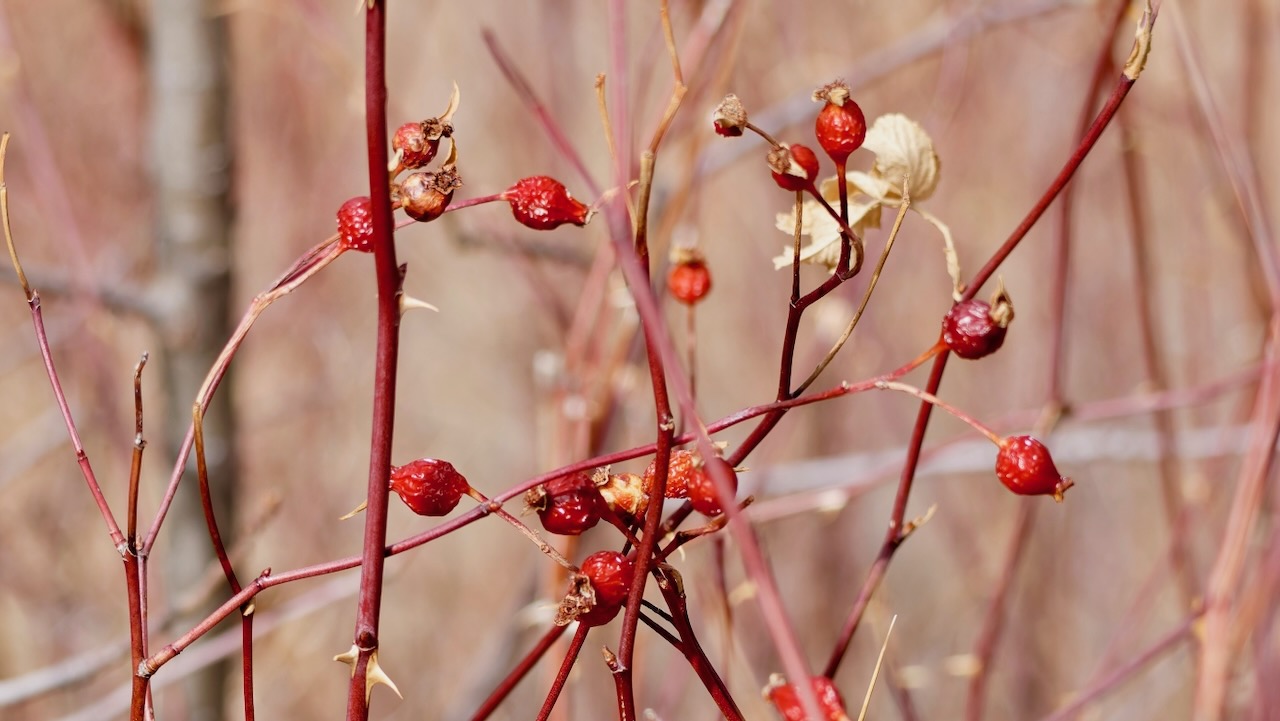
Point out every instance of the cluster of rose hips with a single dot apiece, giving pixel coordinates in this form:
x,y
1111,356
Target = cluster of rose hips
x,y
537,202
971,329
571,504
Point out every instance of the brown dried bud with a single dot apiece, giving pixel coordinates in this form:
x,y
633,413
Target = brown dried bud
x,y
730,117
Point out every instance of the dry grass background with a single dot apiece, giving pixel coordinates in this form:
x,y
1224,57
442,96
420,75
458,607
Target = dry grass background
x,y
1001,106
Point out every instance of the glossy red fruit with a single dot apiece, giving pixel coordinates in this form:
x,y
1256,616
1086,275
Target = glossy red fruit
x,y
786,698
544,203
841,127
425,196
794,167
355,224
974,329
689,281
702,488
567,505
429,486
611,574
1025,467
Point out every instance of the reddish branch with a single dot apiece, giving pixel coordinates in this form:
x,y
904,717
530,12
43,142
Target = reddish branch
x,y
389,278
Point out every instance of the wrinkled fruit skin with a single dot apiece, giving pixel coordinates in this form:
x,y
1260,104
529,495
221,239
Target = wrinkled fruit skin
x,y
544,203
611,574
1025,467
841,129
786,699
568,505
689,282
428,486
702,488
355,224
416,150
683,465
794,168
425,196
969,330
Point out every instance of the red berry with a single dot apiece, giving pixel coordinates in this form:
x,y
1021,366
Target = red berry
x,y
567,505
702,488
424,196
689,281
730,118
794,167
544,203
841,127
428,486
973,329
1025,467
355,224
611,574
786,698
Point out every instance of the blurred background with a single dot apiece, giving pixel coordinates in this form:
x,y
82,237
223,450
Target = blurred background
x,y
169,159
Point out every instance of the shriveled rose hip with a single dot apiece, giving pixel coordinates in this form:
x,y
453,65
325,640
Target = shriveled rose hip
x,y
702,488
973,329
567,505
543,203
429,486
611,574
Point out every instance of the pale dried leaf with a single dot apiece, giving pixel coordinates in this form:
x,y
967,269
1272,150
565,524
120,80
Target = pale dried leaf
x,y
902,149
949,249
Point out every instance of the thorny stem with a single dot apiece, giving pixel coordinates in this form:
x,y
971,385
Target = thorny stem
x,y
497,509
893,535
389,277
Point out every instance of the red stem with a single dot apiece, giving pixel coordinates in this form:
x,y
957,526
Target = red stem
x,y
518,673
389,278
570,656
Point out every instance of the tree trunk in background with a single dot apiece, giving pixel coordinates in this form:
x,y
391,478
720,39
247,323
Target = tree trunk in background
x,y
190,166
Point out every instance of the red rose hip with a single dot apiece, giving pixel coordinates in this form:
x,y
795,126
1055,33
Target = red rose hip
x,y
355,224
973,329
429,486
786,698
689,279
841,127
1025,467
567,505
702,488
794,167
544,203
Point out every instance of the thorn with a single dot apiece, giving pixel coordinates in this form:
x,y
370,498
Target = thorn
x,y
915,523
349,658
363,505
408,303
374,675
